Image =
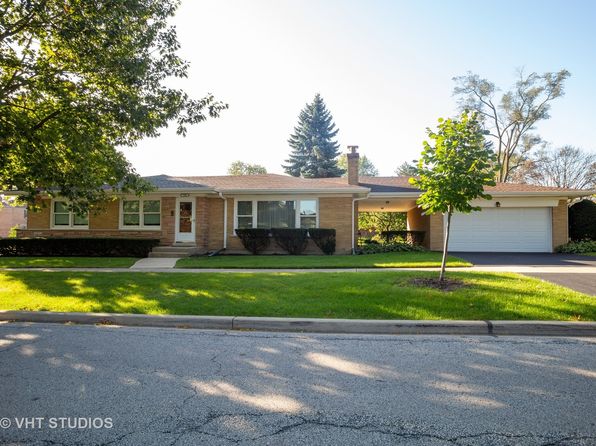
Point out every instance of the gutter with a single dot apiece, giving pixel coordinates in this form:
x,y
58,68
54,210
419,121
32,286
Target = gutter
x,y
225,220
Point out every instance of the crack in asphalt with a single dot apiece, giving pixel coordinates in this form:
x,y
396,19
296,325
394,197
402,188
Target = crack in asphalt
x,y
182,429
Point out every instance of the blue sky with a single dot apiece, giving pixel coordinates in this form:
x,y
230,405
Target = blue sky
x,y
383,67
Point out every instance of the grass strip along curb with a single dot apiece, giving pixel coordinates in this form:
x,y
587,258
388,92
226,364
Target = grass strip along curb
x,y
313,325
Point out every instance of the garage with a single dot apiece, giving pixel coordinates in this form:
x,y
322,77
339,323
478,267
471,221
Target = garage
x,y
502,230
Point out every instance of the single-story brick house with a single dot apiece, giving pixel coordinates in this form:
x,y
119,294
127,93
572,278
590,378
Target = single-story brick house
x,y
203,212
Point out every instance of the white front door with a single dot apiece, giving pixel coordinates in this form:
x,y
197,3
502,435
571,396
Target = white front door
x,y
185,220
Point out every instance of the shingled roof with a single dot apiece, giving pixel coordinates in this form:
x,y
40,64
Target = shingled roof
x,y
402,184
263,182
285,183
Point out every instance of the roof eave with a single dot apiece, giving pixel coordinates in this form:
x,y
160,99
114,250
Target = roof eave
x,y
543,193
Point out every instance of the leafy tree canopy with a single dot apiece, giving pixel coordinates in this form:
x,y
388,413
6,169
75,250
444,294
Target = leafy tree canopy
x,y
366,168
77,80
453,170
382,221
242,168
511,117
314,147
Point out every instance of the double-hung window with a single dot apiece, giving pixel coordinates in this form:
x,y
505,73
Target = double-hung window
x,y
141,213
276,214
64,217
308,214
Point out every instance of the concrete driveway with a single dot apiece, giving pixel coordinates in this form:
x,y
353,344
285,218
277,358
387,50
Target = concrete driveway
x,y
190,387
582,282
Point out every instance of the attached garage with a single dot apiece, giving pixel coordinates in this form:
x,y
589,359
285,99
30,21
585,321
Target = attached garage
x,y
502,230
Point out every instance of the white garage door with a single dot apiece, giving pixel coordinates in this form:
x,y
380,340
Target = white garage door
x,y
502,230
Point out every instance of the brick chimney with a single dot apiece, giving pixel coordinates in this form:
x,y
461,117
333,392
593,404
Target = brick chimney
x,y
353,164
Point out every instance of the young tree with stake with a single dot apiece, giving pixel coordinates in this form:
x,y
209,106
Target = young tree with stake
x,y
453,170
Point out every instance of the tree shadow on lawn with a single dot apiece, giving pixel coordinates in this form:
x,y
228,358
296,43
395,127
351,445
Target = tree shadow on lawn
x,y
381,295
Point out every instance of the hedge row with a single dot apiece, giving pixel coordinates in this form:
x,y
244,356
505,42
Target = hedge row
x,y
69,247
291,240
377,248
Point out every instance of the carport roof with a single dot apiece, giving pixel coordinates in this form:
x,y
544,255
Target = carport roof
x,y
401,185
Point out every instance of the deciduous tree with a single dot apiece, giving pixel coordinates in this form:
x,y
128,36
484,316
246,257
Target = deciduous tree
x,y
242,168
567,166
78,79
511,117
453,170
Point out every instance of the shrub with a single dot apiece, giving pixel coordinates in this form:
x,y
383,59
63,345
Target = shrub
x,y
578,247
582,220
68,247
324,239
390,247
412,237
255,240
292,240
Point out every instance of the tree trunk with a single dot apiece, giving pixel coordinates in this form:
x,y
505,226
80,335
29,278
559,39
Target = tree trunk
x,y
446,244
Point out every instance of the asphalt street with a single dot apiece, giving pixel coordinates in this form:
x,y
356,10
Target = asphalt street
x,y
155,386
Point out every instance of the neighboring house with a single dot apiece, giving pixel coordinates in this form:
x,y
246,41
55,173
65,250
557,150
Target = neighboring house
x,y
11,216
205,211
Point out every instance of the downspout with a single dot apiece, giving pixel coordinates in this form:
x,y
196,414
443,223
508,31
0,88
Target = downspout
x,y
354,200
225,221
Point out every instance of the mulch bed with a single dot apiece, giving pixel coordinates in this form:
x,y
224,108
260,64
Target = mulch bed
x,y
444,285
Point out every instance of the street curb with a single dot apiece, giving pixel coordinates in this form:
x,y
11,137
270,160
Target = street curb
x,y
313,325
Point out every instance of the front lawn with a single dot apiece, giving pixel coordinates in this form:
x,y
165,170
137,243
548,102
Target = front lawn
x,y
372,295
386,260
67,262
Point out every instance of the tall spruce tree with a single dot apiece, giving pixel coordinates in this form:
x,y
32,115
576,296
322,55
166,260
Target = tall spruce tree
x,y
314,148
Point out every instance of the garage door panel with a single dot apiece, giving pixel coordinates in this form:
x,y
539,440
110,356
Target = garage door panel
x,y
502,230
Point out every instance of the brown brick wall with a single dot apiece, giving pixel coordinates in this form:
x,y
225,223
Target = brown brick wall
x,y
560,226
201,222
168,220
436,232
108,217
337,213
215,224
104,223
41,218
66,233
418,222
353,167
333,213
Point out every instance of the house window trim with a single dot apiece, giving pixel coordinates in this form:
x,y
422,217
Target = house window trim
x,y
71,226
254,200
141,226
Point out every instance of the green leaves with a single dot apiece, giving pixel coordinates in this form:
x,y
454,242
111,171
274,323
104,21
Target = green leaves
x,y
455,166
79,80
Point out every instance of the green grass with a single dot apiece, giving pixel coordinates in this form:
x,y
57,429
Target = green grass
x,y
66,262
373,295
385,260
593,254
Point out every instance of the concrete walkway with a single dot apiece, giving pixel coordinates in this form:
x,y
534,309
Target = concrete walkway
x,y
155,262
